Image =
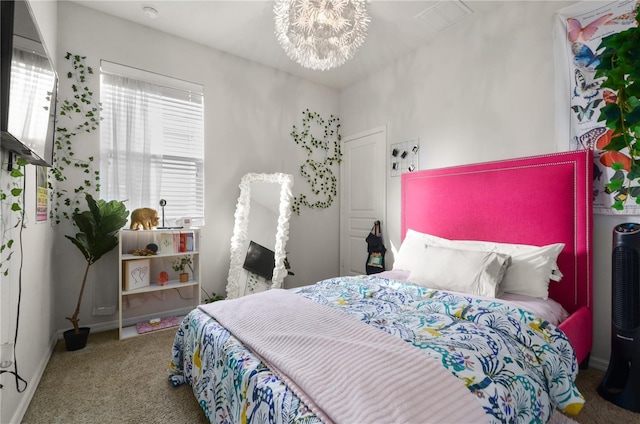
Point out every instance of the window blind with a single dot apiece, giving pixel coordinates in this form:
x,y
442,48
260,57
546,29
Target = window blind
x,y
152,141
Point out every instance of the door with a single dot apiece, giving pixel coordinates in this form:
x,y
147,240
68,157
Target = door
x,y
363,192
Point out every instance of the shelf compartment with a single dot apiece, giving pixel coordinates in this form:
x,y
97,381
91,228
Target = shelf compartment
x,y
130,257
154,287
131,331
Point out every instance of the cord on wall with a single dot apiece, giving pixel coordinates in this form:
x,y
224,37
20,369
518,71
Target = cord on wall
x,y
14,372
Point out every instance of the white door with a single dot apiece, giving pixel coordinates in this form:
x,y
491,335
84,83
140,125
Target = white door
x,y
363,192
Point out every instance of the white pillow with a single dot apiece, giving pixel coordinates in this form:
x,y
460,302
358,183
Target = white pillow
x,y
528,274
412,249
466,271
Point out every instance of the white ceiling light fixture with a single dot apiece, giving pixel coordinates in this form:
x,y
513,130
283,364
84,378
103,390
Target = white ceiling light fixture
x,y
321,34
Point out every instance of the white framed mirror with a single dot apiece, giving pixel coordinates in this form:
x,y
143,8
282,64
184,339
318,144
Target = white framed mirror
x,y
260,234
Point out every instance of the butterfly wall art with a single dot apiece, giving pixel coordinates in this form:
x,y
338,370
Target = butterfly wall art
x,y
589,28
628,18
588,140
584,57
577,32
585,88
586,112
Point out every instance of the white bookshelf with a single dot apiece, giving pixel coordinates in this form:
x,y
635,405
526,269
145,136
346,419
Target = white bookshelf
x,y
144,272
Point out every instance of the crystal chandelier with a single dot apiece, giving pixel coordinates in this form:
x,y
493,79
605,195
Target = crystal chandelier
x,y
321,34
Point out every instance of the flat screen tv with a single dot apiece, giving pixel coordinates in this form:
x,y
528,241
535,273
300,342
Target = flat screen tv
x,y
260,260
28,86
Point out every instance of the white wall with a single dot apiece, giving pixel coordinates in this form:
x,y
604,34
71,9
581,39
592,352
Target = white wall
x,y
249,113
34,283
483,91
29,285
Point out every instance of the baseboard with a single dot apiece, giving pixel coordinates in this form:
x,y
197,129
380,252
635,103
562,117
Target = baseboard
x,y
598,363
33,384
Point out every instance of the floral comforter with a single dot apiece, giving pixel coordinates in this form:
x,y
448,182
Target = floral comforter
x,y
519,366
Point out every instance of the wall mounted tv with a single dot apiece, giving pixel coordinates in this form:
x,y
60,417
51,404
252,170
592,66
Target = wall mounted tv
x,y
28,85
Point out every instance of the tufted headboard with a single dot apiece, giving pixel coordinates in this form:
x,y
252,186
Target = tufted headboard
x,y
534,200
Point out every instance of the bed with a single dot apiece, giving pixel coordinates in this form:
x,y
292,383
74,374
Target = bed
x,y
488,359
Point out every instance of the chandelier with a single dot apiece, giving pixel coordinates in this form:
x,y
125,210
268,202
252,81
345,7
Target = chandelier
x,y
321,34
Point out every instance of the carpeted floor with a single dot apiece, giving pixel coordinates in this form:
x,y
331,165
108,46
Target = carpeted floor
x,y
597,410
113,381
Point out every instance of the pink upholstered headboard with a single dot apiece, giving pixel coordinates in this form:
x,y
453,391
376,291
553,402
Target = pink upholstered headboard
x,y
535,200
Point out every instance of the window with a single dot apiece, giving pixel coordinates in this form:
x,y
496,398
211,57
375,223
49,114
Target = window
x,y
152,142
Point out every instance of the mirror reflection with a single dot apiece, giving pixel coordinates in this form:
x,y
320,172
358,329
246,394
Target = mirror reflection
x,y
260,234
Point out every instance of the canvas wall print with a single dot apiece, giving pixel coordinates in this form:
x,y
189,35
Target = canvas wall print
x,y
136,274
585,25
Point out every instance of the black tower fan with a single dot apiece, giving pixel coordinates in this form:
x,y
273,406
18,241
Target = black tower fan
x,y
621,383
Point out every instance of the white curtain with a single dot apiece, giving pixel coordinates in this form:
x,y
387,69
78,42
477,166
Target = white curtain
x,y
130,141
152,142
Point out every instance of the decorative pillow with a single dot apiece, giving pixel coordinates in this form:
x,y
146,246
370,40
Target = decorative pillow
x,y
528,274
466,271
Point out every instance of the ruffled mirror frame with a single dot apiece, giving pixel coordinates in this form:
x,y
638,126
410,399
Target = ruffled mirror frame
x,y
239,240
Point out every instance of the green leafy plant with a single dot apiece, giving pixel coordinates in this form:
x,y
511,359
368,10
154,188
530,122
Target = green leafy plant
x,y
287,266
210,298
620,66
180,264
98,228
82,112
318,174
14,197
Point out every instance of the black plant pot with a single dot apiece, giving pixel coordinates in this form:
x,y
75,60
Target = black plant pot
x,y
76,341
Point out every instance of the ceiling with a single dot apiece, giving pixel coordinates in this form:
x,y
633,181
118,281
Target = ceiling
x,y
246,29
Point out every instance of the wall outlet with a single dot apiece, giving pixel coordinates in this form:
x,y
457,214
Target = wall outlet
x,y
6,355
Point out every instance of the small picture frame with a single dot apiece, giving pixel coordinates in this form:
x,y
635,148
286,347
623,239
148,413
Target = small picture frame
x,y
136,274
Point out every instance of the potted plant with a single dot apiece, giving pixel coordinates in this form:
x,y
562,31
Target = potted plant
x,y
180,265
210,298
620,67
98,228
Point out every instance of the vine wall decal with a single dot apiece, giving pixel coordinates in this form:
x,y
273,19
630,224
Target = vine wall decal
x,y
83,113
318,173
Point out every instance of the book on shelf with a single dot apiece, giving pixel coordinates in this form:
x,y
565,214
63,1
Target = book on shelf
x,y
176,242
183,242
190,242
165,243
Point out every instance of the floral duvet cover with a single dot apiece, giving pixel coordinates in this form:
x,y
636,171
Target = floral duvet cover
x,y
519,366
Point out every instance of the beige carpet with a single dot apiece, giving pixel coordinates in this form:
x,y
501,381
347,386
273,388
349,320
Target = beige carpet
x,y
112,381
